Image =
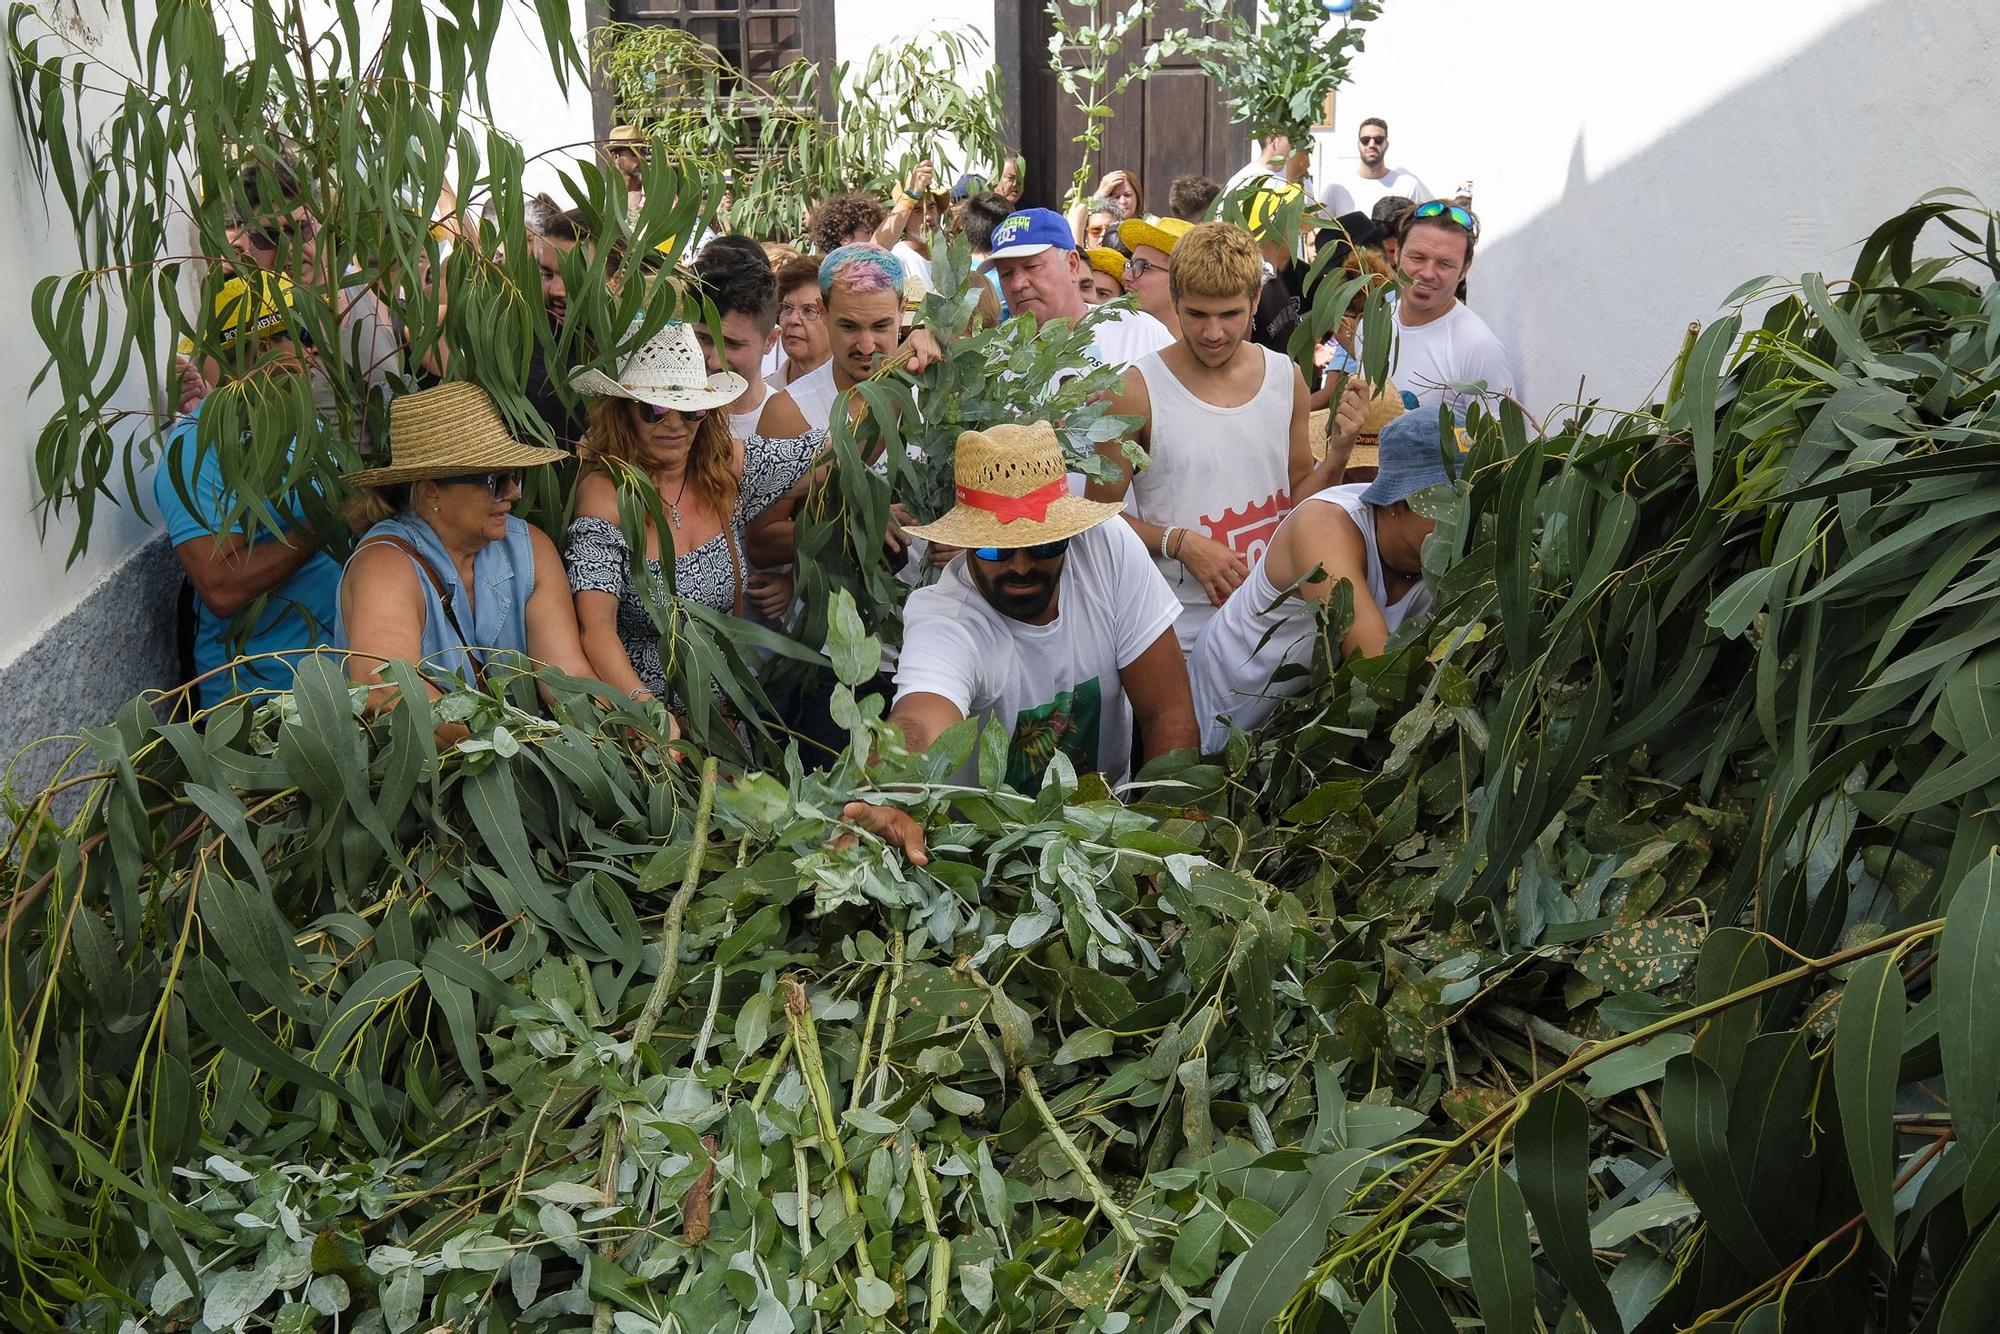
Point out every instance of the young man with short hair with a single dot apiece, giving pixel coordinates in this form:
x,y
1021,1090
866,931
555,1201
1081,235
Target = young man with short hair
x,y
1439,339
1223,423
862,287
1366,536
1275,160
1190,197
1373,177
738,282
1050,623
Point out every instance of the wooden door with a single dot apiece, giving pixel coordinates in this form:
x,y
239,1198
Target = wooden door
x,y
1172,124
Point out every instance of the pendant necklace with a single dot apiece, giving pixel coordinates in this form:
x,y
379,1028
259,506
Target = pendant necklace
x,y
674,505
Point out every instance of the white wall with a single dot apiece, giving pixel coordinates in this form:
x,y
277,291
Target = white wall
x,y
859,26
35,587
1634,163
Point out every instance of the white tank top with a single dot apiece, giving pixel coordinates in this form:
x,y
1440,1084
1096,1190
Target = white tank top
x,y
1222,472
1250,638
813,392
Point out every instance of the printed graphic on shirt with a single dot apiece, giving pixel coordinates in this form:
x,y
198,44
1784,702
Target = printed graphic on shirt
x,y
1248,532
1068,723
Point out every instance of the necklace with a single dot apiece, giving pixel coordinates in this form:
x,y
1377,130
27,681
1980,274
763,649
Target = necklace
x,y
674,505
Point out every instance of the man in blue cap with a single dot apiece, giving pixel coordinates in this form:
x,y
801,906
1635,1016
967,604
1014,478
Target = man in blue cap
x,y
1041,274
1366,535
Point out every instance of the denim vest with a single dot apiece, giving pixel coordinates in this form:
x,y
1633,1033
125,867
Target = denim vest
x,y
495,617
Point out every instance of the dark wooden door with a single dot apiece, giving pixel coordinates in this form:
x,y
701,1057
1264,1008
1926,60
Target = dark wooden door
x,y
1172,124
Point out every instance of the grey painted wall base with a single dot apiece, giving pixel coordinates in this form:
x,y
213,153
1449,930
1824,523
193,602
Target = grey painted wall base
x,y
118,641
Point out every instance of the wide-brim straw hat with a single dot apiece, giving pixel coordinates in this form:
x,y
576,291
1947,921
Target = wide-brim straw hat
x,y
447,431
1013,491
1163,234
668,370
1384,406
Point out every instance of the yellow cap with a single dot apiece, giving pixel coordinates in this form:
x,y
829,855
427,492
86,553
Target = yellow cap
x,y
1107,261
254,306
1267,202
1163,234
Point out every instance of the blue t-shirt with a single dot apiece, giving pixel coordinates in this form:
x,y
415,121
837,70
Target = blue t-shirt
x,y
295,617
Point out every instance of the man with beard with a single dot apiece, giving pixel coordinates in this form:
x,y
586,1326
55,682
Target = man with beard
x,y
1051,622
862,286
1223,423
1373,179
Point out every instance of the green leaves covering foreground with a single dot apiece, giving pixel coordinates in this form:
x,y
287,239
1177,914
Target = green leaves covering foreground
x,y
1618,951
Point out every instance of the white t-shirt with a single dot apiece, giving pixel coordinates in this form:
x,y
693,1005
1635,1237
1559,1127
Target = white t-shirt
x,y
1350,193
1455,346
1255,633
743,425
813,392
1123,337
1053,686
914,264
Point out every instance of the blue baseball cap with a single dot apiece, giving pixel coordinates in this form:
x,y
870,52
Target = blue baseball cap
x,y
1412,456
1030,232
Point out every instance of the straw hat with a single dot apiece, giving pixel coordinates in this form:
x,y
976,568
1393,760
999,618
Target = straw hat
x,y
1013,491
627,136
1384,406
667,371
1163,234
447,431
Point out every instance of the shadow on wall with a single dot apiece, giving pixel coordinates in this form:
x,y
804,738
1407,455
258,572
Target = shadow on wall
x,y
1784,175
116,642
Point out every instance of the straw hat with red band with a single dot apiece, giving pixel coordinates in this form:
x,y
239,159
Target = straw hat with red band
x,y
1013,491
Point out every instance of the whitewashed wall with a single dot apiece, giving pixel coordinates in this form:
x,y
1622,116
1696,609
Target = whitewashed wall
x,y
35,586
1634,162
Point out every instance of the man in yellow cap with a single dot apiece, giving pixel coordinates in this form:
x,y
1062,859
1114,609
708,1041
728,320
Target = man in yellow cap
x,y
271,563
1052,622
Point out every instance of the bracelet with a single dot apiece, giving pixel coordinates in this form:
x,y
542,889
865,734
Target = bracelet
x,y
637,693
1167,542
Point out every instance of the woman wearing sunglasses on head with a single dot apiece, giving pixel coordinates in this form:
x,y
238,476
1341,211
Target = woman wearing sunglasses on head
x,y
663,415
445,576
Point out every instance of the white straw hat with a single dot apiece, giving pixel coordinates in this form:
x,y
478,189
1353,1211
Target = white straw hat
x,y
1013,491
449,430
667,371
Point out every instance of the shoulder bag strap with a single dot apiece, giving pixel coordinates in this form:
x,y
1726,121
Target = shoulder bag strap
x,y
442,589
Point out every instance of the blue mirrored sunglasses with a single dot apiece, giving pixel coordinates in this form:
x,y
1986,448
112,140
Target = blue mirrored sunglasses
x,y
1040,551
1444,208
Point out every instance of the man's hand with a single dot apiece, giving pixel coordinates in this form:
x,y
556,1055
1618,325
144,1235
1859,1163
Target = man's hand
x,y
190,386
890,824
940,555
923,349
895,538
921,177
1220,570
770,592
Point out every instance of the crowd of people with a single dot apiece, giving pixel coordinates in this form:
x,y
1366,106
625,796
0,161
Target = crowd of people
x,y
1110,622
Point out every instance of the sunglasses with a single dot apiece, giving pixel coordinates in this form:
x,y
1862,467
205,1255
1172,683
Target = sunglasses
x,y
273,236
1040,551
653,414
1374,138
499,483
1444,208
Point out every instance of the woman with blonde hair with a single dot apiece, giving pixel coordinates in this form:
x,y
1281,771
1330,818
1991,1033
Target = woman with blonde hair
x,y
663,416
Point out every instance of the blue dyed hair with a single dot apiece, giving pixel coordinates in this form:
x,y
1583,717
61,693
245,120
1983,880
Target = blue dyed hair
x,y
861,268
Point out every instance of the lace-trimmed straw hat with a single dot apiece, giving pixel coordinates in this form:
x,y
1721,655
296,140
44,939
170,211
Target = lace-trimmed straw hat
x,y
1013,491
667,371
447,431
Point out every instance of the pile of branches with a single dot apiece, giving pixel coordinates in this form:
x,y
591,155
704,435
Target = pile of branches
x,y
1612,953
